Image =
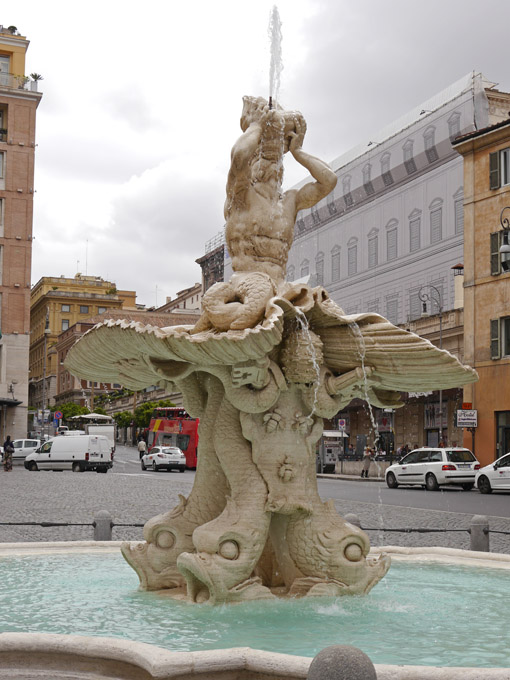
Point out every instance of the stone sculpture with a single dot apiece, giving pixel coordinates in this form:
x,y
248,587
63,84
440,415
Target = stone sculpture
x,y
266,362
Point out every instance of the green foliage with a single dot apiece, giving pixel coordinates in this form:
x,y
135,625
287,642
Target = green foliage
x,y
100,410
123,419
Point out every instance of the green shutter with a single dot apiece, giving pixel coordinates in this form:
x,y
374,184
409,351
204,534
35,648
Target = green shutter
x,y
494,178
495,339
495,258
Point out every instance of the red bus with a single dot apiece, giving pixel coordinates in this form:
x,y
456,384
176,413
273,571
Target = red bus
x,y
173,426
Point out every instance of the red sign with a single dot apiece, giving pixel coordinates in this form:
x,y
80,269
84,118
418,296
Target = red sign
x,y
467,406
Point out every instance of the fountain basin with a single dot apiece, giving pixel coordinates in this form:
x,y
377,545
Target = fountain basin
x,y
61,581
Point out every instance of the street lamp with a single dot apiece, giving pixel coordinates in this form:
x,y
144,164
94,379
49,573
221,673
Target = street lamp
x,y
504,249
435,295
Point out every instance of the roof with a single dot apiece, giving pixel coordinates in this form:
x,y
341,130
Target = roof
x,y
480,133
151,318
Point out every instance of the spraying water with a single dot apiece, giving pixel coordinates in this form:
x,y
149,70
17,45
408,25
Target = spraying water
x,y
276,64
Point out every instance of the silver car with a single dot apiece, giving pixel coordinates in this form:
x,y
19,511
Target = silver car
x,y
164,458
22,447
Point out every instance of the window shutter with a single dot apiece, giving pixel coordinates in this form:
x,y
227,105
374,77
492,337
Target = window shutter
x,y
352,260
494,173
372,252
414,228
495,339
436,218
414,306
495,259
335,266
459,217
319,268
391,244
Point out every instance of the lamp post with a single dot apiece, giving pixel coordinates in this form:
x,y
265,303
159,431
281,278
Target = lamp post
x,y
434,295
504,250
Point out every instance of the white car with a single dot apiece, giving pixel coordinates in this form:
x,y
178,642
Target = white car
x,y
434,467
164,458
495,476
22,447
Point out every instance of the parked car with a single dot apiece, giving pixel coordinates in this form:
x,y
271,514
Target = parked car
x,y
494,477
22,447
164,458
78,453
434,467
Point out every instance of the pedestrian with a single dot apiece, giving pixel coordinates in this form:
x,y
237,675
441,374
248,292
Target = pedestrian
x,y
367,458
8,451
142,447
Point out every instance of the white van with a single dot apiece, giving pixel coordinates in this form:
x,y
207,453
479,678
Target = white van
x,y
79,454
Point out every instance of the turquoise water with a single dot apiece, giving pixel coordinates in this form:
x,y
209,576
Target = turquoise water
x,y
419,614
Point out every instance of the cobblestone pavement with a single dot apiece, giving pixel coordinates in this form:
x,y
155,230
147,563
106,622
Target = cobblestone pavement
x,y
134,498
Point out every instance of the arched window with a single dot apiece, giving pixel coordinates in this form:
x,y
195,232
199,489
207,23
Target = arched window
x,y
458,206
305,268
352,256
367,179
290,272
429,139
385,169
454,125
373,248
392,240
346,185
409,162
415,231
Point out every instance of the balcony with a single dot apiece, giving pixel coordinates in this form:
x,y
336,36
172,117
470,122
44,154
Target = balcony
x,y
12,82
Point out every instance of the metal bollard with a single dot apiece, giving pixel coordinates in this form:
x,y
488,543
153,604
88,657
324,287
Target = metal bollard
x,y
479,533
352,519
103,526
341,662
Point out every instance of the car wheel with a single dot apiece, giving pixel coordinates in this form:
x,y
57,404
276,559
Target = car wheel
x,y
467,487
182,470
142,465
391,480
431,483
154,467
33,467
76,467
484,486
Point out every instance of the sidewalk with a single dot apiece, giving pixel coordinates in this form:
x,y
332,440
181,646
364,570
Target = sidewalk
x,y
351,478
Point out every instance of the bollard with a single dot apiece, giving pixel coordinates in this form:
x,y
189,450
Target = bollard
x,y
103,526
352,519
341,662
479,533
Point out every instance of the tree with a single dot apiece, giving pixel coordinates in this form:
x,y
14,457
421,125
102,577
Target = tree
x,y
100,410
143,412
123,419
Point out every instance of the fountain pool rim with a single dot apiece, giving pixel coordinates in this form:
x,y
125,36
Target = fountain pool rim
x,y
45,652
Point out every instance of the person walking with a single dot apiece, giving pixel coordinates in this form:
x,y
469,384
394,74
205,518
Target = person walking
x,y
142,447
8,451
367,458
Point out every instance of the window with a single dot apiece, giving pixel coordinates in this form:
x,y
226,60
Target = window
x,y
331,204
335,264
102,310
385,169
300,225
391,241
352,259
414,231
454,126
436,221
319,268
499,263
373,306
291,273
414,306
367,179
409,162
499,168
429,137
65,308
373,247
305,268
346,184
65,324
2,164
84,309
392,309
500,337
315,215
458,209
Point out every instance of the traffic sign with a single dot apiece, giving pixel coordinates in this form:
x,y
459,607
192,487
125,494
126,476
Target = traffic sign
x,y
341,424
58,415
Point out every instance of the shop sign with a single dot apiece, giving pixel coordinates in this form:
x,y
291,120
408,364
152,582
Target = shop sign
x,y
467,418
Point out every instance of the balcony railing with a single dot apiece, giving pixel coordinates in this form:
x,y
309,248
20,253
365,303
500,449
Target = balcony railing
x,y
13,82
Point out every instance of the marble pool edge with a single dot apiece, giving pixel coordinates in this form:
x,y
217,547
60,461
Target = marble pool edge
x,y
41,655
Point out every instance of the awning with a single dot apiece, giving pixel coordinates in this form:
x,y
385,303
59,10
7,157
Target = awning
x,y
9,402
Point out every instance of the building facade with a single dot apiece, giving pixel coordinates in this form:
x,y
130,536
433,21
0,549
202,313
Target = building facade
x,y
56,304
19,100
188,299
486,155
392,232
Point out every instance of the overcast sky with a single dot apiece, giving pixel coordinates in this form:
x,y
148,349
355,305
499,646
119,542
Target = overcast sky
x,y
141,105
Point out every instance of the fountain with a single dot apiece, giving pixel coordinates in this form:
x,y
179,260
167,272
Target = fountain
x,y
265,363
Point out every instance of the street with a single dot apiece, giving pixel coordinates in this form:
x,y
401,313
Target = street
x,y
133,496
